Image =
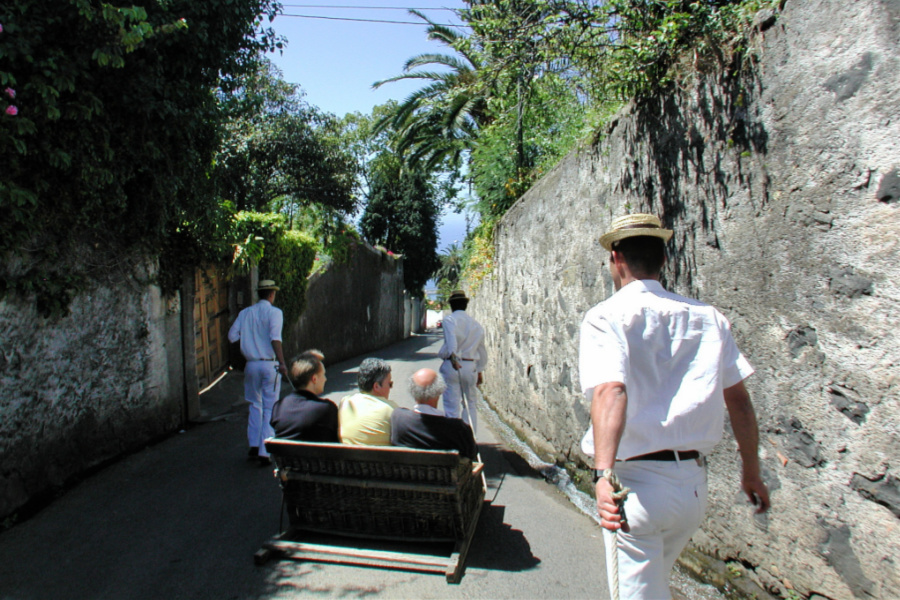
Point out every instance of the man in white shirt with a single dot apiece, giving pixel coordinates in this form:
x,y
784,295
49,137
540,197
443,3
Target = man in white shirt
x,y
258,327
660,370
465,358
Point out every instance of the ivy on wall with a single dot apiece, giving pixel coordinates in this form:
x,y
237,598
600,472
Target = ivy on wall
x,y
107,131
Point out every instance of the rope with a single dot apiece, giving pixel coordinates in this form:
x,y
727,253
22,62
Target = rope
x,y
619,494
465,405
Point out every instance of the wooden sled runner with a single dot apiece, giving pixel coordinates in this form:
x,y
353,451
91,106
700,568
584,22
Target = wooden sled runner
x,y
376,493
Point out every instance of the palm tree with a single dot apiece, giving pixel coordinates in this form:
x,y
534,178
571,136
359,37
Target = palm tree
x,y
440,121
447,275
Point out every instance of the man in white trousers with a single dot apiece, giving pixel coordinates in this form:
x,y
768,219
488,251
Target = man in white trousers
x,y
660,371
465,358
258,327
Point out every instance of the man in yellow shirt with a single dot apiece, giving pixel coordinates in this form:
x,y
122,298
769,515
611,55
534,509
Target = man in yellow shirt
x,y
364,418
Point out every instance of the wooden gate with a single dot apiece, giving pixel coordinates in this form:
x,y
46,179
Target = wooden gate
x,y
210,323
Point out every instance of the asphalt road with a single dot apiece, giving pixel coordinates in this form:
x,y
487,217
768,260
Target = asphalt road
x,y
182,519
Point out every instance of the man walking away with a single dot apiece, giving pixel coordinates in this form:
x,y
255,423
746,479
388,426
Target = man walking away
x,y
425,426
465,358
258,327
660,370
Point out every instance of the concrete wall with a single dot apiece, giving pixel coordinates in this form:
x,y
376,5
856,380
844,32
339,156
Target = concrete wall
x,y
85,388
783,187
353,309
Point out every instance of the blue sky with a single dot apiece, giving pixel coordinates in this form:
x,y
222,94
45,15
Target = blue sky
x,y
336,62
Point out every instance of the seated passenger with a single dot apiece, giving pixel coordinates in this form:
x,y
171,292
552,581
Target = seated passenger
x,y
425,426
303,415
365,417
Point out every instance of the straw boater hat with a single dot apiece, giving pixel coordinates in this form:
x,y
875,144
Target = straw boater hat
x,y
632,226
457,295
267,284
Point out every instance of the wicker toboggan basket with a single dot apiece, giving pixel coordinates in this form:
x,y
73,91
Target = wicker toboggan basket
x,y
380,493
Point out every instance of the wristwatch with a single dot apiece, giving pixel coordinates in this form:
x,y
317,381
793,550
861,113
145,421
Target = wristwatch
x,y
597,474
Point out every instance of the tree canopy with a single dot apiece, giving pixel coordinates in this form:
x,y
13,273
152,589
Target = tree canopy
x,y
402,203
279,153
113,133
534,77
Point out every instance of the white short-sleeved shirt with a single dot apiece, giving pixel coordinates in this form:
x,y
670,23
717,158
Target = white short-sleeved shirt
x,y
675,355
257,327
464,336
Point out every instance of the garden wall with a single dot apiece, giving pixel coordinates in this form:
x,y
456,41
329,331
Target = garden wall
x,y
82,389
354,308
782,183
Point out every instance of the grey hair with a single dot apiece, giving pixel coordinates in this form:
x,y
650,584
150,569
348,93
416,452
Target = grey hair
x,y
372,371
435,390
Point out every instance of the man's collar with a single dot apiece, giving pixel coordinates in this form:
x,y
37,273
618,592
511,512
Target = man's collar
x,y
643,285
427,409
374,397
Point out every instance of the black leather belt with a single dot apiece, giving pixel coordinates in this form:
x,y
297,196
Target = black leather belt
x,y
667,455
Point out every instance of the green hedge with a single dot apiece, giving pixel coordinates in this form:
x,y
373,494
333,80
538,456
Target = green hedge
x,y
287,257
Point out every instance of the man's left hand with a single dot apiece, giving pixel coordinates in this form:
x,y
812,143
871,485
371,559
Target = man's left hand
x,y
757,492
608,509
480,380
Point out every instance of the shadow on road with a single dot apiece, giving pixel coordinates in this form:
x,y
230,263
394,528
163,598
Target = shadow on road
x,y
497,546
499,461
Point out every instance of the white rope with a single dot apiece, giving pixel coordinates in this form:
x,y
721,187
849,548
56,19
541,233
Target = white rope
x,y
619,494
613,553
465,407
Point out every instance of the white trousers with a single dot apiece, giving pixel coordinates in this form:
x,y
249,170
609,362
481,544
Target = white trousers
x,y
664,508
262,384
458,382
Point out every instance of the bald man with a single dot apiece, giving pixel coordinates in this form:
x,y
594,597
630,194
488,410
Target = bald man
x,y
425,426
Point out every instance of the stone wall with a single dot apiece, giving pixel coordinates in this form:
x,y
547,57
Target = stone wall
x,y
109,377
85,388
353,309
782,183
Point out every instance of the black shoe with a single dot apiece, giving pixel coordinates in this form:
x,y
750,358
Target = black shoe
x,y
264,461
253,452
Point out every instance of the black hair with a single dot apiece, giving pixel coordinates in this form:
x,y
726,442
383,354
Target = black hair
x,y
459,304
645,255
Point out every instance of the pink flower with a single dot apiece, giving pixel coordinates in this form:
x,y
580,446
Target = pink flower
x,y
12,110
10,92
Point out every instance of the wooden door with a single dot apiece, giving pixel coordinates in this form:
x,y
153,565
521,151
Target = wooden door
x,y
210,323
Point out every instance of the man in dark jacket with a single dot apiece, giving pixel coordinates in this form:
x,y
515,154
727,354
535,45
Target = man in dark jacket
x,y
425,426
303,415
